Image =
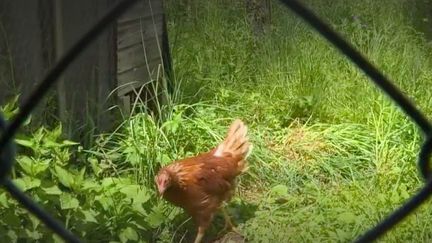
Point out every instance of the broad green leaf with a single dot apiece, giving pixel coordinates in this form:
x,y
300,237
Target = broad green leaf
x,y
89,215
65,177
138,207
27,121
51,144
89,185
134,158
57,239
54,190
56,133
35,221
173,213
27,183
69,143
131,191
12,218
114,156
155,218
3,200
34,235
81,174
105,201
40,166
25,163
173,125
142,196
24,143
164,159
32,167
68,202
95,165
128,234
12,235
106,182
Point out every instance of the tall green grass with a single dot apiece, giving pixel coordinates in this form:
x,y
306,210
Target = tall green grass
x,y
332,154
342,153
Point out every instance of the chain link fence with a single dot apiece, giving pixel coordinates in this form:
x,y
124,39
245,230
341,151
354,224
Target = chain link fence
x,y
7,147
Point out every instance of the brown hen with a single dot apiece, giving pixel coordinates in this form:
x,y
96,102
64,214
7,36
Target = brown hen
x,y
201,184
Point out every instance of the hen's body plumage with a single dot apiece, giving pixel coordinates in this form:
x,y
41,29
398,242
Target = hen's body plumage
x,y
202,183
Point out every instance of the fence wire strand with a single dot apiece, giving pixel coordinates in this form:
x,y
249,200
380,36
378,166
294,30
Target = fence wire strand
x,y
7,150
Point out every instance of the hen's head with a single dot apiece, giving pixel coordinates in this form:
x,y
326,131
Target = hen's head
x,y
163,181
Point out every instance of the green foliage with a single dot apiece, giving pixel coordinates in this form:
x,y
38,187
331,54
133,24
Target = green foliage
x,y
97,208
105,193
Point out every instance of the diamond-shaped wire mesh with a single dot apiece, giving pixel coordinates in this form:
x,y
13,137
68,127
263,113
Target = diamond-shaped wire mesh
x,y
8,131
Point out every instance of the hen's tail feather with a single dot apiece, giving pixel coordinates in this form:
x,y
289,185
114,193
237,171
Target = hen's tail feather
x,y
236,142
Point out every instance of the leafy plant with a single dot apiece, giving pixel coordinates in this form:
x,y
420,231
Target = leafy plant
x,y
117,207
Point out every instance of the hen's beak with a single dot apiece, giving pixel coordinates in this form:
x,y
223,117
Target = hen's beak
x,y
161,191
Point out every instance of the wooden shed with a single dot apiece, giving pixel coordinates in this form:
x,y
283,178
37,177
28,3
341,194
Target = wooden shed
x,y
130,58
140,52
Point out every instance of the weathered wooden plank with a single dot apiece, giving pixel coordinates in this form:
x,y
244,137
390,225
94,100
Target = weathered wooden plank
x,y
91,77
149,72
139,21
136,55
89,80
134,33
26,57
139,41
136,77
144,8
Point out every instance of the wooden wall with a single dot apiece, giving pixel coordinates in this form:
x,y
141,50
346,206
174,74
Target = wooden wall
x,y
140,43
33,34
84,90
24,46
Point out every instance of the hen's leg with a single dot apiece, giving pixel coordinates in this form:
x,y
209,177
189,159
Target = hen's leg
x,y
203,221
200,234
228,223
